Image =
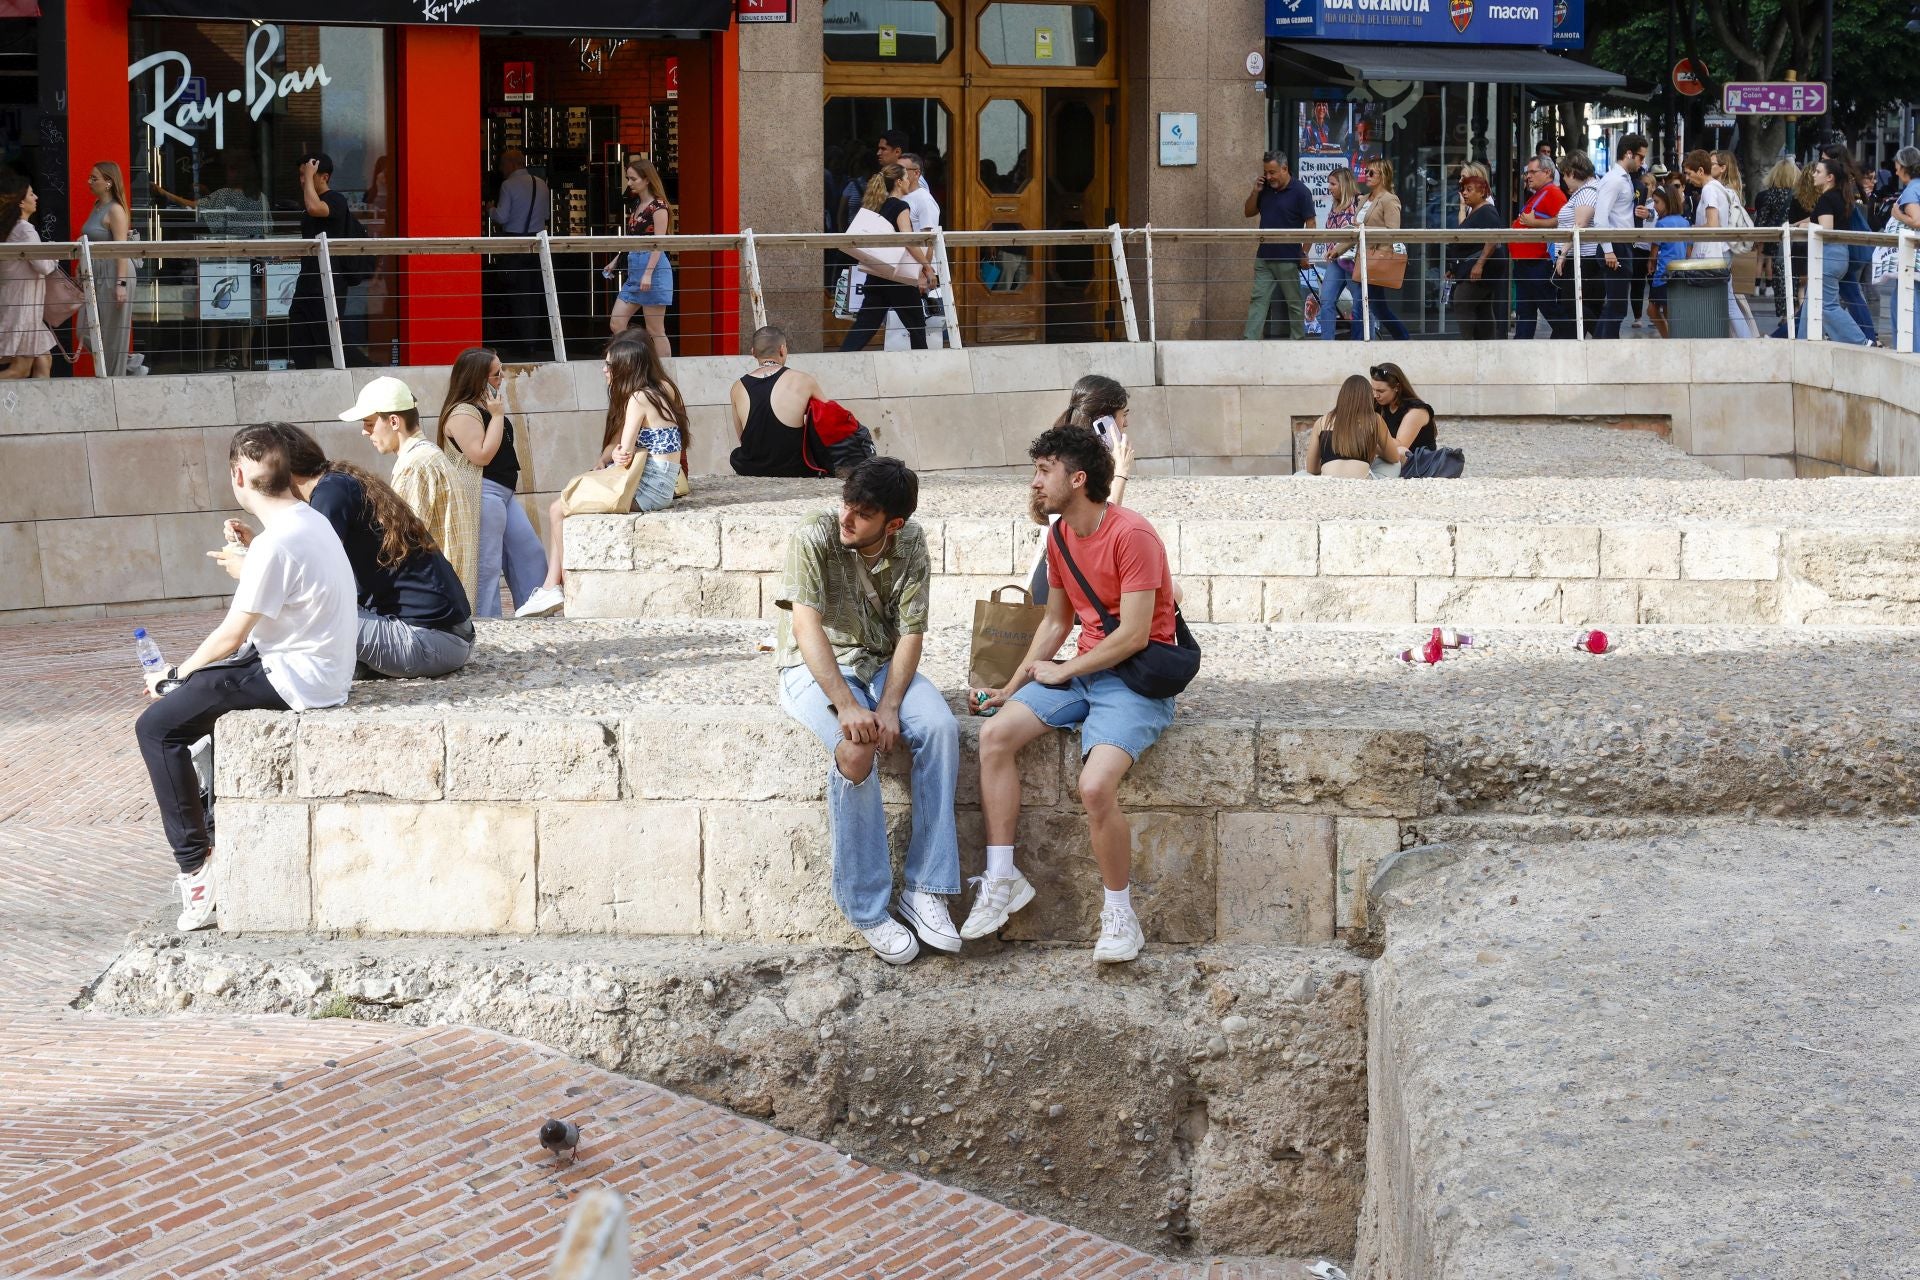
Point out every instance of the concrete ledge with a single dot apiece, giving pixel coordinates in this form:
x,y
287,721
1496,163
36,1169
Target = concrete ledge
x,y
1468,553
1608,1059
631,778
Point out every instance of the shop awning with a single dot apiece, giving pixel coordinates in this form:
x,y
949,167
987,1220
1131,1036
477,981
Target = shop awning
x,y
558,17
1474,64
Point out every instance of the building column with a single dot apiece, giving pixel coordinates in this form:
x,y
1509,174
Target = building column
x,y
437,187
708,285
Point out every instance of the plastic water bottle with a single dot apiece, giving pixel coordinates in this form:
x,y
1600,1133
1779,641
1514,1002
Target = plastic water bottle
x,y
1591,641
1451,639
1429,653
151,663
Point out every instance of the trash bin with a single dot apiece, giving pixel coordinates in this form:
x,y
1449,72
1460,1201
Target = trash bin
x,y
1697,298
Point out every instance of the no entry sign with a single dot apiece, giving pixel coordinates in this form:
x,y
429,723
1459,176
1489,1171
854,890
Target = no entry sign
x,y
1689,78
1775,98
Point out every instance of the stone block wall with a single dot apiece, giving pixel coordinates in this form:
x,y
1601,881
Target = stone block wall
x,y
712,822
112,490
721,566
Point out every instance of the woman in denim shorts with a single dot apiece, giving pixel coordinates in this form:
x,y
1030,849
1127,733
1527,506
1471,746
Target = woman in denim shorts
x,y
649,283
647,428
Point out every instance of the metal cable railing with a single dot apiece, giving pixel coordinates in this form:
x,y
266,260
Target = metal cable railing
x,y
287,303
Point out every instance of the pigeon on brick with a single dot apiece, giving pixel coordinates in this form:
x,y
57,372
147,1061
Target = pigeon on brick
x,y
560,1137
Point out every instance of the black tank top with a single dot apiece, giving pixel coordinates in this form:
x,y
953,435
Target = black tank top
x,y
1330,454
504,470
768,446
1429,435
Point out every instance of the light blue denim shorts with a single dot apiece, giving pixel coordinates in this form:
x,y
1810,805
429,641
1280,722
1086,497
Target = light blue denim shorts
x,y
1106,712
657,481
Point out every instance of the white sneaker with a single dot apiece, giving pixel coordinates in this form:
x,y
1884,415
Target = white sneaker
x,y
196,898
927,915
542,602
1120,936
993,903
892,942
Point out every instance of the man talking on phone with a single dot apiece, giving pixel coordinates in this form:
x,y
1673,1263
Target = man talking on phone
x,y
1281,204
322,209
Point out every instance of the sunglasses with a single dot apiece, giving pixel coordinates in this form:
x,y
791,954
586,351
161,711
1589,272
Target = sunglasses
x,y
1379,373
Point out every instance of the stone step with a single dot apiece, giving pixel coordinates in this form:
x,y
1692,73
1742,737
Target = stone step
x,y
638,778
1464,552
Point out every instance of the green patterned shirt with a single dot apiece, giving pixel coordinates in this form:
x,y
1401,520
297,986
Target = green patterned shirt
x,y
824,575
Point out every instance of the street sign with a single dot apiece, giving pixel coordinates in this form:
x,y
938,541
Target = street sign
x,y
1689,78
1775,98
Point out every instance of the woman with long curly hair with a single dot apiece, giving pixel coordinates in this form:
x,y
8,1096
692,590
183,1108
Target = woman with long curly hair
x,y
477,436
26,344
646,427
1099,404
414,616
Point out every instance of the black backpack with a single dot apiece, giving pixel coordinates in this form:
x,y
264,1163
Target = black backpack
x,y
358,269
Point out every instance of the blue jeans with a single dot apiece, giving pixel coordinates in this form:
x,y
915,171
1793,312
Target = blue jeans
x,y
1836,324
507,540
1335,280
862,865
1853,296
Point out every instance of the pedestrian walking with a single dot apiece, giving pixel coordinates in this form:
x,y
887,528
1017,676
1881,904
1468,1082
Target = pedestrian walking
x,y
1832,210
1714,208
1336,275
886,198
521,210
1613,213
1281,204
1474,266
26,344
1771,209
1580,269
1533,288
649,284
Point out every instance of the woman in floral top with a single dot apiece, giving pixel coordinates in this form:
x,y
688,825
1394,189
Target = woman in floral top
x,y
1333,278
649,283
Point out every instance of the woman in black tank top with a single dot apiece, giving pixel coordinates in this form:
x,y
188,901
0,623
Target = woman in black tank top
x,y
768,446
1408,417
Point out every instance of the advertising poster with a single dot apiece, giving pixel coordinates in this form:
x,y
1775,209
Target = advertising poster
x,y
281,279
224,291
1324,127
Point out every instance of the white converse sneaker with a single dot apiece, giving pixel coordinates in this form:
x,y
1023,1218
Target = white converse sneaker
x,y
1120,936
927,915
196,898
542,602
892,942
993,903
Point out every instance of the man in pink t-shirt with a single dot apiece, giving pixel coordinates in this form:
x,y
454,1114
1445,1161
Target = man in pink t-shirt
x,y
1125,563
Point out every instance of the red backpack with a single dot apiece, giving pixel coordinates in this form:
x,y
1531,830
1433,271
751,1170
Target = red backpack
x,y
832,441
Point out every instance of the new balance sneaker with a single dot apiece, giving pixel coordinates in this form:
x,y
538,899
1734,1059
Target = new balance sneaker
x,y
196,898
1120,936
927,915
542,602
892,942
993,902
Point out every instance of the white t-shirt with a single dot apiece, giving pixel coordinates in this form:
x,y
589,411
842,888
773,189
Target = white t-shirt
x,y
922,208
297,578
1714,195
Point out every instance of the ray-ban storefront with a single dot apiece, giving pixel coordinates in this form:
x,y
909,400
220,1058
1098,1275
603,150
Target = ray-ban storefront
x,y
209,106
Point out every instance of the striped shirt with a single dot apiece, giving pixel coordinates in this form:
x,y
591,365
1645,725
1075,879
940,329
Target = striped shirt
x,y
1584,198
447,502
825,575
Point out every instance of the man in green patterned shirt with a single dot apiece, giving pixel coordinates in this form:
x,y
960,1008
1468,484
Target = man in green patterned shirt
x,y
853,618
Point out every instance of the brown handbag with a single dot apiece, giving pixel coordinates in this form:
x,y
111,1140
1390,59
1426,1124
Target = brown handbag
x,y
63,299
1386,267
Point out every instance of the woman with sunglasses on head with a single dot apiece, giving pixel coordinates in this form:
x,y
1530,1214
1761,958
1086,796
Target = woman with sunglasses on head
x,y
1349,438
1379,208
1410,420
1475,268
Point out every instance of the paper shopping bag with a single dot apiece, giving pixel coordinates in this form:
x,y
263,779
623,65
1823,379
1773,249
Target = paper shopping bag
x,y
1002,634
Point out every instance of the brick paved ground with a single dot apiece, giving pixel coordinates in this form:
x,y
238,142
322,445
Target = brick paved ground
x,y
275,1147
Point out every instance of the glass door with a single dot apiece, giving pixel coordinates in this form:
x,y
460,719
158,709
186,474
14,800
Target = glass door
x,y
1003,289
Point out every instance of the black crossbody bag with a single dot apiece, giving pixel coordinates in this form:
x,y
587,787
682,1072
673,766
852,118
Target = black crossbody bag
x,y
1160,670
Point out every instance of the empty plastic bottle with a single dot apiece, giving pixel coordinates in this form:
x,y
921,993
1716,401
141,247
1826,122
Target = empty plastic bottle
x,y
1591,641
1429,653
1451,639
151,663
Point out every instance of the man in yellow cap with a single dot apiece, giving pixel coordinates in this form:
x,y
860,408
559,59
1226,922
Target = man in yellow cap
x,y
423,475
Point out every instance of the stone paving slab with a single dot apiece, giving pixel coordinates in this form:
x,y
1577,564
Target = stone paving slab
x,y
1557,449
1688,1055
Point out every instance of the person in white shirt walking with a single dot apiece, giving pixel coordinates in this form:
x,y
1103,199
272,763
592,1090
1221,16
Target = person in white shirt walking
x,y
1613,211
286,644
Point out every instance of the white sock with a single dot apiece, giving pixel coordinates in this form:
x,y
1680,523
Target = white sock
x,y
1000,862
1122,898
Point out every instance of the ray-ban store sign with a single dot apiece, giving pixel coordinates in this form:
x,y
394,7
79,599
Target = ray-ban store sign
x,y
571,16
182,102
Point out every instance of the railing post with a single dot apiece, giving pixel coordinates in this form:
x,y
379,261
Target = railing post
x,y
949,296
1816,284
1366,308
1786,275
327,297
90,308
1903,291
1125,285
552,294
1153,322
750,259
1579,291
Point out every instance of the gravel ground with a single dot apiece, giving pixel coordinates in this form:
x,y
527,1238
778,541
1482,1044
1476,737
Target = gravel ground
x,y
1681,1056
1558,450
1808,503
1335,675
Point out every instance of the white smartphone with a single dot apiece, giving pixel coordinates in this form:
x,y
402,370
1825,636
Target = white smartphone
x,y
1106,428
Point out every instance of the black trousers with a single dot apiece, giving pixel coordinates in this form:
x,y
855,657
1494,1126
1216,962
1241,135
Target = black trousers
x,y
170,726
1593,296
1475,302
308,344
879,299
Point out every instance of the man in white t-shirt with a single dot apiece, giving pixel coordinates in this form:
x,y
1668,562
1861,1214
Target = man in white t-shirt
x,y
925,212
286,644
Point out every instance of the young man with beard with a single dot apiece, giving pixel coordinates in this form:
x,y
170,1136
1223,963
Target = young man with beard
x,y
853,618
1124,562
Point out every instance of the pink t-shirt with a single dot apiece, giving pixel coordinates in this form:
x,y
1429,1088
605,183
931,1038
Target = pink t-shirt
x,y
1124,554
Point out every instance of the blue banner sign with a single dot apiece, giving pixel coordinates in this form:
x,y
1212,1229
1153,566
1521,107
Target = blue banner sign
x,y
1516,22
1569,24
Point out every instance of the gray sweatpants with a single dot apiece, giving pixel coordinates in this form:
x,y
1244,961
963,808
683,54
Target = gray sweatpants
x,y
396,648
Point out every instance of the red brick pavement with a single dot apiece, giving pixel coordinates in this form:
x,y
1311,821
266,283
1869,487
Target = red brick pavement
x,y
285,1148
